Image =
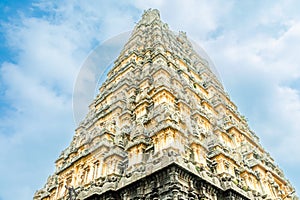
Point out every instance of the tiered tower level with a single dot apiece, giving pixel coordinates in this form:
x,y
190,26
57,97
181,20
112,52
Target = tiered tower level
x,y
162,127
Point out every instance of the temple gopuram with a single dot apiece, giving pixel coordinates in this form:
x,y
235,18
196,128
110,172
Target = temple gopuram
x,y
162,127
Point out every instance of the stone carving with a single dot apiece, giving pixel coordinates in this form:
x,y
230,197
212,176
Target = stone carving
x,y
72,194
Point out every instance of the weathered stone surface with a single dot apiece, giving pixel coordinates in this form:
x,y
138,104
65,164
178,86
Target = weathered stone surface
x,y
162,127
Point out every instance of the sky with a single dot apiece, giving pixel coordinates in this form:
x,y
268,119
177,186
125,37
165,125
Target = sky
x,y
254,45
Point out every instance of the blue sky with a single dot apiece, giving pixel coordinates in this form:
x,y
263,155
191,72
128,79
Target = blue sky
x,y
254,45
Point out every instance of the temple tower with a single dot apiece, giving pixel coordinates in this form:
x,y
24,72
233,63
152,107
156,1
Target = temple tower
x,y
162,127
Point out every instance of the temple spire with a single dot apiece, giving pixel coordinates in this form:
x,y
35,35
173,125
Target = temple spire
x,y
149,16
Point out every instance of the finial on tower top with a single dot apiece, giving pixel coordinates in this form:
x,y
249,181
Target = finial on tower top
x,y
150,15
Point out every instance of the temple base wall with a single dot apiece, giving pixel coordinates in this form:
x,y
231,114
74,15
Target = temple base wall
x,y
171,182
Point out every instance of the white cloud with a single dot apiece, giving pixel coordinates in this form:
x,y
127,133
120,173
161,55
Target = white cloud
x,y
283,128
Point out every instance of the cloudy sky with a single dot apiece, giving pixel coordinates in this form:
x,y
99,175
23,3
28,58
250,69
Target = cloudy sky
x,y
254,45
